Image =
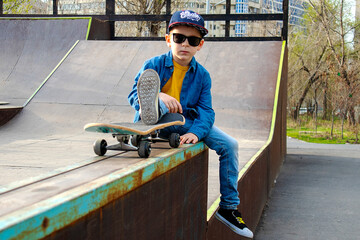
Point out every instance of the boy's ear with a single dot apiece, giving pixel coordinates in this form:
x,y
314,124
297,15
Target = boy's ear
x,y
168,40
201,44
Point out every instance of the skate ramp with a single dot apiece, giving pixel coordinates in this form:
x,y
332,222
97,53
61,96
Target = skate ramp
x,y
92,85
30,49
45,149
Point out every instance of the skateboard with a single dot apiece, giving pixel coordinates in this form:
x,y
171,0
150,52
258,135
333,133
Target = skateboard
x,y
135,136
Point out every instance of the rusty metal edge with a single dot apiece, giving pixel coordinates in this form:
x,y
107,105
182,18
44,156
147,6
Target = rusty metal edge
x,y
45,217
213,208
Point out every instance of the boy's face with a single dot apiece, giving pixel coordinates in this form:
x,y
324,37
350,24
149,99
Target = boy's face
x,y
183,52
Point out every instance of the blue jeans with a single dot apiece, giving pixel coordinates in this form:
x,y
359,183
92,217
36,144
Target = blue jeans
x,y
227,149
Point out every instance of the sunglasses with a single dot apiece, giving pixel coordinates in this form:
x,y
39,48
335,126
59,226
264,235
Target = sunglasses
x,y
193,41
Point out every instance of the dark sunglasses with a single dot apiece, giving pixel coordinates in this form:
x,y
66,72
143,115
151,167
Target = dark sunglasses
x,y
193,41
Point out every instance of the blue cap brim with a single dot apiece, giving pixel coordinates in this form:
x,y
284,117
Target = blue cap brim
x,y
202,30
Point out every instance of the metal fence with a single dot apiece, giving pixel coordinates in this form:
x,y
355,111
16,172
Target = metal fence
x,y
112,17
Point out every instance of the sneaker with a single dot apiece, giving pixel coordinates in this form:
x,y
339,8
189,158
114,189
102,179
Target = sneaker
x,y
232,219
148,88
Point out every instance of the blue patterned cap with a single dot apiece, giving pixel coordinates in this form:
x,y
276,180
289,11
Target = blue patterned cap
x,y
188,18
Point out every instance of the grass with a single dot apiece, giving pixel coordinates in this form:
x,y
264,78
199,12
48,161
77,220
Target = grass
x,y
304,129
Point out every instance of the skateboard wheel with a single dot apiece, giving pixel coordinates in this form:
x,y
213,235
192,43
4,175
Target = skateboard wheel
x,y
174,140
144,149
100,147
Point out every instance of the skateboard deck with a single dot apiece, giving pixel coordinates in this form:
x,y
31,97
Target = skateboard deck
x,y
139,134
138,128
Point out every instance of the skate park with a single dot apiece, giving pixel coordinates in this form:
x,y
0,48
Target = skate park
x,y
54,186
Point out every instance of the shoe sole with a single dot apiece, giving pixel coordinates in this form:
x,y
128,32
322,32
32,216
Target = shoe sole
x,y
243,232
148,88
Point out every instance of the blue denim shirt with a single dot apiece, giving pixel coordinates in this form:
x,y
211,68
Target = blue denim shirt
x,y
195,96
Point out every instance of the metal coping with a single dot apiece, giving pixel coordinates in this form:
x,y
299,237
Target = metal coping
x,y
76,203
211,211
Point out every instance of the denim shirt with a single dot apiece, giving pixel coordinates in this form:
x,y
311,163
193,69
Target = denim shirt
x,y
195,96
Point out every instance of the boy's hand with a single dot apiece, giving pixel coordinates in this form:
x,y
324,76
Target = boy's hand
x,y
188,138
171,103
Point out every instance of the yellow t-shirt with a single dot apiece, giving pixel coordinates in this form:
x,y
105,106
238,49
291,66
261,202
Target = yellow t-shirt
x,y
174,85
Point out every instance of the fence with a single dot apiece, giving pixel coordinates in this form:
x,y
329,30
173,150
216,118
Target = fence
x,y
112,17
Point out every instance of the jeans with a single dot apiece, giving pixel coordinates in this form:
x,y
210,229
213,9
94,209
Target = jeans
x,y
227,149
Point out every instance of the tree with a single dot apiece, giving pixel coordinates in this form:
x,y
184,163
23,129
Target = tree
x,y
147,7
16,6
322,50
307,61
143,7
337,24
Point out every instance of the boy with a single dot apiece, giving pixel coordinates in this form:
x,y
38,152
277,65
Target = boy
x,y
175,82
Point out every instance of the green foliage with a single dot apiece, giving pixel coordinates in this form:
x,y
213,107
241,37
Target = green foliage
x,y
304,129
323,60
17,6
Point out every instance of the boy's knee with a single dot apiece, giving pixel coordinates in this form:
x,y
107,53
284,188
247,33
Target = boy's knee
x,y
233,143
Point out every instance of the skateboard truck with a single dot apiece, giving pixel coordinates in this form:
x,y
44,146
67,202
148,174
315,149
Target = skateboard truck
x,y
139,143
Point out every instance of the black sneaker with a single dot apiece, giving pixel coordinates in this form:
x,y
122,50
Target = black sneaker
x,y
232,219
148,88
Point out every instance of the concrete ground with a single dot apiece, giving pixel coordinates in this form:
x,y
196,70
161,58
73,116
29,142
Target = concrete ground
x,y
316,195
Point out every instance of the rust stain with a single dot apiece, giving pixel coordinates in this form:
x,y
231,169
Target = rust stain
x,y
101,214
114,193
45,223
188,155
158,171
126,184
138,178
143,175
192,153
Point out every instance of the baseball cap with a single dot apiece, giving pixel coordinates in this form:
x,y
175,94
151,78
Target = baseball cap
x,y
188,18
